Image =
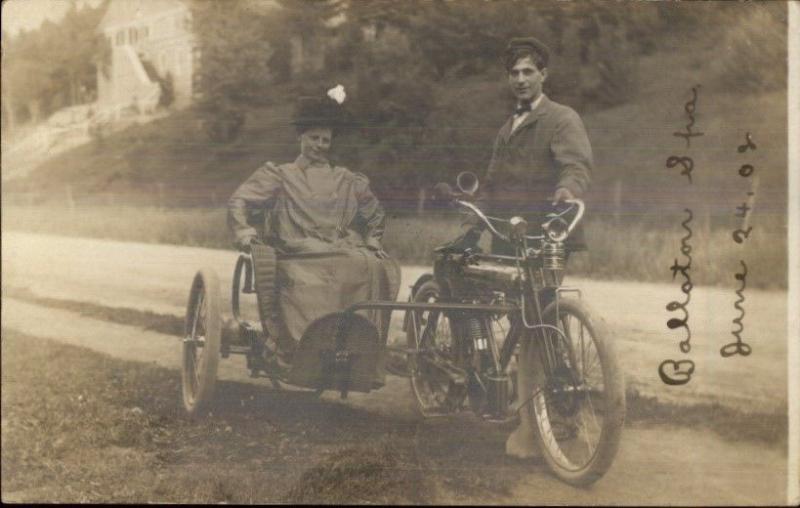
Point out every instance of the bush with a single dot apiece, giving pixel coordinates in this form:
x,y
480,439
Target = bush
x,y
636,248
755,48
223,125
611,80
391,98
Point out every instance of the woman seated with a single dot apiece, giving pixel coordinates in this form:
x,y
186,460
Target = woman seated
x,y
325,224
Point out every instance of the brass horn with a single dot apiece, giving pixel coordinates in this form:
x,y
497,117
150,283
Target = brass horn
x,y
467,182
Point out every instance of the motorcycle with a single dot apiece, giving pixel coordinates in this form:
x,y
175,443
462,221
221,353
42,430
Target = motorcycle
x,y
576,398
459,354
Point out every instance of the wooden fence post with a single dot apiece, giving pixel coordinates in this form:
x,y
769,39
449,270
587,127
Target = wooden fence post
x,y
160,195
70,199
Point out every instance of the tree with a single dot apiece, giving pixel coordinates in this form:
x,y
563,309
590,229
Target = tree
x,y
26,81
235,52
53,66
77,49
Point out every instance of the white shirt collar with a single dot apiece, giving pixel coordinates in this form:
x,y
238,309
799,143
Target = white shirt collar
x,y
534,104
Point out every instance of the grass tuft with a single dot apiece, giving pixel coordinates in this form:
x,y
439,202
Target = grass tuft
x,y
380,473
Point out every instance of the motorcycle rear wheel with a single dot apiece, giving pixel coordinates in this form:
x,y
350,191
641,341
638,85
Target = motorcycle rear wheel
x,y
433,392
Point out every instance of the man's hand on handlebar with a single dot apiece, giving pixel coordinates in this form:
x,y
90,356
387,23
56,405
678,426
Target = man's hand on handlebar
x,y
561,194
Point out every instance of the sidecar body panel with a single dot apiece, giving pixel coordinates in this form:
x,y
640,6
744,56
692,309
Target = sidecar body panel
x,y
339,351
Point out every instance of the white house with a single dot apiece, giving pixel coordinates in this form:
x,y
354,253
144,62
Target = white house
x,y
151,42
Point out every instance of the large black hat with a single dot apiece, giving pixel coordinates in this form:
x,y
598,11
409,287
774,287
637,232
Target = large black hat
x,y
323,110
530,44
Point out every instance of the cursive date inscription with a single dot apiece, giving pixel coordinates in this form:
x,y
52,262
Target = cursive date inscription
x,y
681,370
686,287
689,108
738,347
687,163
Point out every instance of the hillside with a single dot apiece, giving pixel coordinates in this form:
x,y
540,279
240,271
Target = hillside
x,y
636,199
170,161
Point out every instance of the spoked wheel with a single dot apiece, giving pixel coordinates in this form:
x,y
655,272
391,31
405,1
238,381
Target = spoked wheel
x,y
579,398
201,341
430,334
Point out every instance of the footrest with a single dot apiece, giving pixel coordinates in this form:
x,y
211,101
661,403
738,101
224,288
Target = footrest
x,y
250,331
252,326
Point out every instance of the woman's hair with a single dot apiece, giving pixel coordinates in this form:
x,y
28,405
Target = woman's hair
x,y
301,128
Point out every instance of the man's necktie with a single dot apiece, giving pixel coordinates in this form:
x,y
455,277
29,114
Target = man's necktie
x,y
522,108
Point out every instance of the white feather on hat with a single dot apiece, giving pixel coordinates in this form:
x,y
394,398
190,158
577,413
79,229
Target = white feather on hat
x,y
337,93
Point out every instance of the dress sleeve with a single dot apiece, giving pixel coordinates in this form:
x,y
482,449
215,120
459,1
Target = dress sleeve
x,y
371,212
573,155
258,191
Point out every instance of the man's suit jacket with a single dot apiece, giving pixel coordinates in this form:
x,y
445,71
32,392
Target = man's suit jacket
x,y
549,149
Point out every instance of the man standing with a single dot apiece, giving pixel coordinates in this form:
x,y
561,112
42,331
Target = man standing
x,y
541,157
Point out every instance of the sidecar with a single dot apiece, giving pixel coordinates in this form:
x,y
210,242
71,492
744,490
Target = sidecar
x,y
340,351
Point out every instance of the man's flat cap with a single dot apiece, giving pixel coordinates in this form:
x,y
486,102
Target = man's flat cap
x,y
530,44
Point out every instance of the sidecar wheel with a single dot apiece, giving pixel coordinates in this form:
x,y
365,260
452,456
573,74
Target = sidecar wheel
x,y
201,342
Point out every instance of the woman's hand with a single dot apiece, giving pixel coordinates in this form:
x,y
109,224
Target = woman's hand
x,y
243,244
378,250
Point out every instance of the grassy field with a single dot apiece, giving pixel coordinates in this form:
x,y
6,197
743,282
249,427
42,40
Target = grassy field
x,y
79,426
627,248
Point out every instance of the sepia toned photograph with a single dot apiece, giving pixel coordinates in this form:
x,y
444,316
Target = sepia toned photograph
x,y
426,252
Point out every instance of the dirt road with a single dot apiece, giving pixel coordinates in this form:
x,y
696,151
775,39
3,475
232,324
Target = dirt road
x,y
157,277
657,464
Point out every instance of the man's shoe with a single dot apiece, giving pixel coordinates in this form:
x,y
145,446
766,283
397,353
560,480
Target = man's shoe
x,y
277,357
522,443
277,365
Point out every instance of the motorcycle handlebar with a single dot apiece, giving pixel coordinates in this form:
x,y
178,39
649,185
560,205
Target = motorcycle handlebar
x,y
558,236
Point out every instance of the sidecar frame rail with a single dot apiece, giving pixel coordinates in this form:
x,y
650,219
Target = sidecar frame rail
x,y
392,305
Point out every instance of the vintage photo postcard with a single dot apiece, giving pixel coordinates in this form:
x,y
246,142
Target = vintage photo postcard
x,y
421,252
